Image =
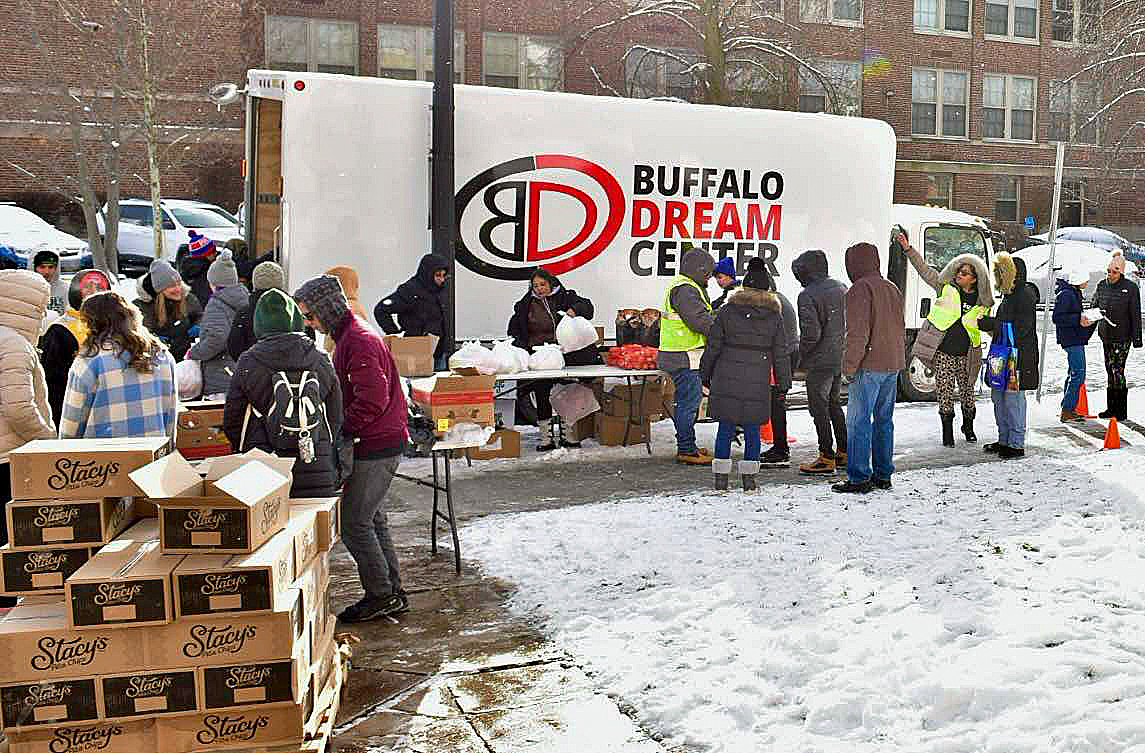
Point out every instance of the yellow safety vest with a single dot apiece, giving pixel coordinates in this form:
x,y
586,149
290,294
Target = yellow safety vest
x,y
73,322
947,310
675,337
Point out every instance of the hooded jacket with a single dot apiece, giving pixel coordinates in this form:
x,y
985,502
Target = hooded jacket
x,y
176,335
374,407
876,330
58,302
822,323
1120,302
745,342
930,339
241,336
758,266
419,305
193,270
1018,307
554,306
690,304
214,329
24,411
1067,316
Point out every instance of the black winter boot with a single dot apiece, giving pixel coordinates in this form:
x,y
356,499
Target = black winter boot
x,y
947,429
1122,404
1110,403
968,425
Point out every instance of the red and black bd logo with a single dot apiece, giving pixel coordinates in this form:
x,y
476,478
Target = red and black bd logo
x,y
519,222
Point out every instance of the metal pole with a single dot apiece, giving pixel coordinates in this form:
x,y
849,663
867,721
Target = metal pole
x,y
444,228
1050,272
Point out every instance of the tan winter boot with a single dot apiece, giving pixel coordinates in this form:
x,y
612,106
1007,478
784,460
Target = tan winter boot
x,y
823,465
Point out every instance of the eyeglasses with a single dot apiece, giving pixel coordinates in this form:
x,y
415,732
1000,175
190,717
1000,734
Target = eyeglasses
x,y
309,317
967,273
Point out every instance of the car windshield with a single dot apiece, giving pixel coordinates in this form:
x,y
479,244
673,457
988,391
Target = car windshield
x,y
220,211
200,217
943,243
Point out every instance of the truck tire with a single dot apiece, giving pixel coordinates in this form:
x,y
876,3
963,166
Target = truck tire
x,y
916,381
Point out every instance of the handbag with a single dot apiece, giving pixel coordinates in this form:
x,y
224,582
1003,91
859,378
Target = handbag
x,y
1001,371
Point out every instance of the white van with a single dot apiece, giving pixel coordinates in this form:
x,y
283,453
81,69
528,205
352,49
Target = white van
x,y
601,191
137,236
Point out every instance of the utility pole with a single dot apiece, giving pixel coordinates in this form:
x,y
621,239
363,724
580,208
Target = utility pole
x,y
444,226
1051,273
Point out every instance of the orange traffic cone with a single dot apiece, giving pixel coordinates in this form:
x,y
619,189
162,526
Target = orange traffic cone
x,y
1082,408
1112,437
765,434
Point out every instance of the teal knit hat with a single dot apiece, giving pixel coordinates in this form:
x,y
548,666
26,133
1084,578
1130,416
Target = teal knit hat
x,y
276,313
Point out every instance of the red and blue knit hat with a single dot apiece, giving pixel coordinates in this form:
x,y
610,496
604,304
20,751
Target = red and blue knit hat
x,y
199,245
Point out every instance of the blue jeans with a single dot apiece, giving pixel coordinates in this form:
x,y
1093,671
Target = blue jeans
x,y
727,432
688,394
1075,378
871,396
1010,415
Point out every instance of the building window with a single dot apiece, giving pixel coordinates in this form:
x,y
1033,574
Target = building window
x,y
1074,20
1017,19
649,74
1006,189
847,12
845,77
940,190
517,61
407,52
1008,107
311,44
1071,107
938,102
753,10
942,15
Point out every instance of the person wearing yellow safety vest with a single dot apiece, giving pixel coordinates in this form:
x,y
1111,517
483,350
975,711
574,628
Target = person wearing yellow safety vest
x,y
950,341
686,319
63,337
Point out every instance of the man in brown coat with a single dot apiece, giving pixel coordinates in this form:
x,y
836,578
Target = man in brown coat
x,y
873,355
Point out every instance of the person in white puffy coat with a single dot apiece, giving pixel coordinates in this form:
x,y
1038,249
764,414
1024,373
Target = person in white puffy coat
x,y
24,411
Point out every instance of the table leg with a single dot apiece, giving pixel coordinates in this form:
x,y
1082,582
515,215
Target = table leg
x,y
452,519
640,418
631,409
433,518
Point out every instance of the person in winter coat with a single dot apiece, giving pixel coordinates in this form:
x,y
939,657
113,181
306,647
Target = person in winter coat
x,y
873,356
949,341
349,280
210,349
821,331
375,417
282,348
779,454
534,322
420,304
266,276
685,321
47,265
1073,334
725,274
746,342
170,310
63,338
122,383
24,411
1120,304
194,261
1017,309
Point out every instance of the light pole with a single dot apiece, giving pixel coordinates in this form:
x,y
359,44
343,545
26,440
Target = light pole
x,y
443,222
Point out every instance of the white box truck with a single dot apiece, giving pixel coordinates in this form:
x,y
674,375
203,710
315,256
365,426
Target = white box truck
x,y
603,192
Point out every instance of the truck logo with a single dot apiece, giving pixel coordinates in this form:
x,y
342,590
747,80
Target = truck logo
x,y
518,204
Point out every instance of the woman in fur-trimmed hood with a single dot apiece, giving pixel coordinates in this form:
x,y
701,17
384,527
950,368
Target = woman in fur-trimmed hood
x,y
950,341
746,342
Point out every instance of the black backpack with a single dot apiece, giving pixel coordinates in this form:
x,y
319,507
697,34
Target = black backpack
x,y
296,420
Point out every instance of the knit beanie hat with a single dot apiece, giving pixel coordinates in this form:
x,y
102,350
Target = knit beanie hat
x,y
163,275
275,313
1077,276
46,258
223,273
757,275
268,276
199,245
325,299
725,266
84,283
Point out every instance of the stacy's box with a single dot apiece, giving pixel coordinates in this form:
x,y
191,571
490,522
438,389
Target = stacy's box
x,y
41,570
327,509
234,513
244,684
149,693
127,582
104,737
49,702
253,729
80,468
36,643
40,523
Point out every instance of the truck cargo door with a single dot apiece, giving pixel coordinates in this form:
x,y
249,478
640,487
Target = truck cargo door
x,y
266,171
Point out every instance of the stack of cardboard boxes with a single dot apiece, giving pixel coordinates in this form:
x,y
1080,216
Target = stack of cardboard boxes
x,y
203,628
648,403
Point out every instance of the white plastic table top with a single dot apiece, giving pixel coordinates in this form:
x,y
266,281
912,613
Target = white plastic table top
x,y
578,372
441,446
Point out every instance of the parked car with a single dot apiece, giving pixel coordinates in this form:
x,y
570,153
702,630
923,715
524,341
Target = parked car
x,y
27,234
130,265
1068,255
1106,239
179,216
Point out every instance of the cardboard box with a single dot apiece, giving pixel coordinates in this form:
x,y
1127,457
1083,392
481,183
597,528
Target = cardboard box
x,y
610,431
37,644
253,729
199,433
246,684
327,521
217,467
450,399
62,701
149,693
104,737
505,443
233,513
616,400
128,582
413,355
30,571
582,429
42,523
80,468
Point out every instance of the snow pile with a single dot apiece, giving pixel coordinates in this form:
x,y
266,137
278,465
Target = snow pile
x,y
993,607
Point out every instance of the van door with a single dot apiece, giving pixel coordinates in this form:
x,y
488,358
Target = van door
x,y
135,234
173,236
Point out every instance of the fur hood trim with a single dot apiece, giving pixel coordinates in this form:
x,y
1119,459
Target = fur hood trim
x,y
985,293
1005,273
755,298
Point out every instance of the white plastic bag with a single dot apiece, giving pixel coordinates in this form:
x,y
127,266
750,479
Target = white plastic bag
x,y
474,355
574,333
189,379
510,359
468,433
546,358
572,402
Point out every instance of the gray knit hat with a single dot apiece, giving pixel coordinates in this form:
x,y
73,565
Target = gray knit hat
x,y
223,273
325,299
268,276
163,275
